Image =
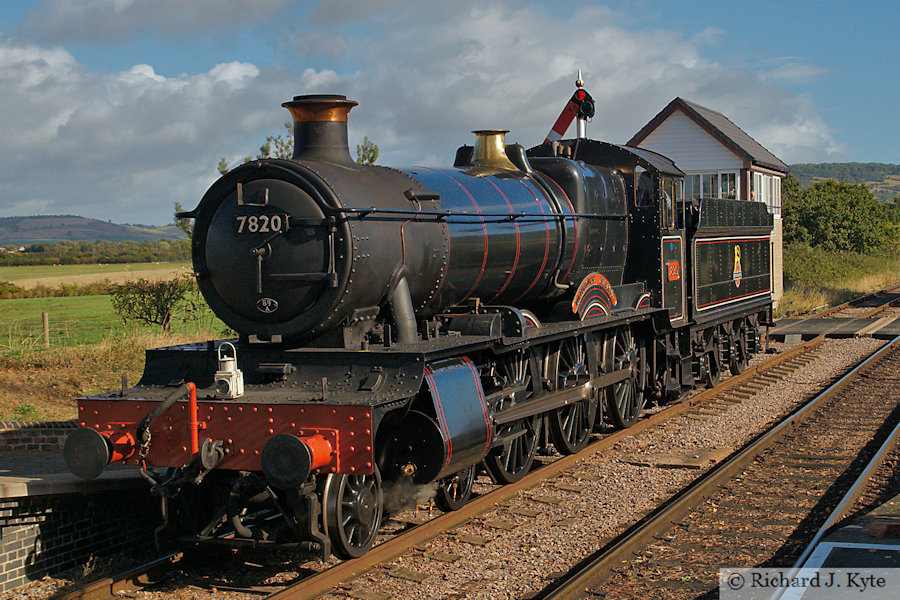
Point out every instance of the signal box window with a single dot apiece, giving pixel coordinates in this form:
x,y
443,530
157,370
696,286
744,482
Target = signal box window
x,y
692,187
729,186
710,183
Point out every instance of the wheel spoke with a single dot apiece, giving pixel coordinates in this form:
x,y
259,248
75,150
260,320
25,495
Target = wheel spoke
x,y
626,398
571,425
454,492
511,461
353,508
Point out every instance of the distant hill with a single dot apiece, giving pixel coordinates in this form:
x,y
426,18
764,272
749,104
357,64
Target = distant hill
x,y
67,228
883,179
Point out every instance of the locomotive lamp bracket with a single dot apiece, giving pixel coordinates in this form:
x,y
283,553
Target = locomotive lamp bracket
x,y
229,380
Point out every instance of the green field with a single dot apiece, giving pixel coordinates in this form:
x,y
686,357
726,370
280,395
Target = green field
x,y
75,320
14,274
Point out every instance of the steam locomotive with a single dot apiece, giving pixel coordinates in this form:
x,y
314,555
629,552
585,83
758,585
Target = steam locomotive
x,y
400,328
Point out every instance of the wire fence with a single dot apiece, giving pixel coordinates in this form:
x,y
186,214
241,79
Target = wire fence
x,y
30,333
33,333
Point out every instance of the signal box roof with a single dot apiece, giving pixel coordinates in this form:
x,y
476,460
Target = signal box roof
x,y
720,127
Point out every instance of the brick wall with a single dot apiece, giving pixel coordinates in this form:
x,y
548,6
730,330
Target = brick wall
x,y
46,535
33,435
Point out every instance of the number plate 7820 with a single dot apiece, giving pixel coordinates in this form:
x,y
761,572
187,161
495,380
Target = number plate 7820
x,y
274,223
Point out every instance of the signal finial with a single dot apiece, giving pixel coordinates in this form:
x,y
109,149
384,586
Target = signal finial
x,y
579,83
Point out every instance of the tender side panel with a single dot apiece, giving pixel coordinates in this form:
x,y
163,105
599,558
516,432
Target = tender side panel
x,y
244,429
730,270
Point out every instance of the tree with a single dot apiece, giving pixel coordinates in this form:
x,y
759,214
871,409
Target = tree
x,y
836,217
183,223
154,302
367,153
282,146
275,146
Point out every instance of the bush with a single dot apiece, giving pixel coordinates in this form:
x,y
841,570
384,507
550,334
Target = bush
x,y
837,217
9,291
155,302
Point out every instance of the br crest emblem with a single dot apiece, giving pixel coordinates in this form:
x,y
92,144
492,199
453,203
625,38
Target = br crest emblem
x,y
737,274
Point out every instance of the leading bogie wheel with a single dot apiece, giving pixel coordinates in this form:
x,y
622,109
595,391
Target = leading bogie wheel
x,y
570,426
454,491
625,399
353,506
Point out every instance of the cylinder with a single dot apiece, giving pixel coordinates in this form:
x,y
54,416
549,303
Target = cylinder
x,y
455,434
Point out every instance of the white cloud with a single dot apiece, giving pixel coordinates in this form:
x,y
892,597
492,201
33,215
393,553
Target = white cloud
x,y
63,21
123,145
126,145
797,72
343,11
454,67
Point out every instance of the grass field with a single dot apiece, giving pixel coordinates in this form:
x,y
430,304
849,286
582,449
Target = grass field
x,y
815,279
75,320
53,275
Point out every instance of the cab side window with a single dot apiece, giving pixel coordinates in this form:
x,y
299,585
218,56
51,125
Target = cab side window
x,y
667,206
643,187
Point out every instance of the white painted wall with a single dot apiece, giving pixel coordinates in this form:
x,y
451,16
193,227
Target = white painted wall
x,y
690,146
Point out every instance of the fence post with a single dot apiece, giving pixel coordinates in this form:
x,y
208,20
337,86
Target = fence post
x,y
45,317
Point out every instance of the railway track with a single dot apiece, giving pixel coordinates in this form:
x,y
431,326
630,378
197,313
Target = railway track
x,y
312,584
865,307
764,506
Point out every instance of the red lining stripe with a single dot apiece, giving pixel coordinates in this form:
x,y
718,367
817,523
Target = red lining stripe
x,y
518,242
596,308
595,293
574,221
546,244
483,228
448,442
484,410
756,293
723,240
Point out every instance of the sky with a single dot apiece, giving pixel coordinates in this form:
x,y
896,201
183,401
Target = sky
x,y
117,109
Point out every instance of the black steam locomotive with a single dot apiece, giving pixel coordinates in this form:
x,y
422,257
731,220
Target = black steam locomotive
x,y
402,327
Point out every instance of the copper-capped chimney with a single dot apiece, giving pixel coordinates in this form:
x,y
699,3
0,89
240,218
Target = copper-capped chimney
x,y
320,127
